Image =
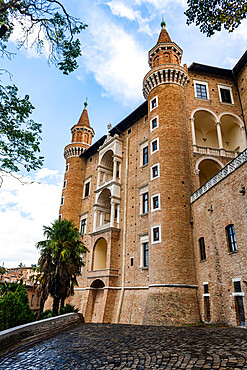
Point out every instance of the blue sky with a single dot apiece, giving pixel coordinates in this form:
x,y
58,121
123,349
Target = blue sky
x,y
110,73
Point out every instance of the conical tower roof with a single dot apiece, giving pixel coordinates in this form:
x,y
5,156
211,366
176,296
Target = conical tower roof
x,y
164,36
84,120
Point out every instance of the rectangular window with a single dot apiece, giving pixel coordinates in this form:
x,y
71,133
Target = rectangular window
x,y
154,123
205,286
67,168
156,234
154,103
83,226
31,304
60,217
232,243
155,202
145,156
202,249
154,171
154,145
237,286
225,93
145,255
201,91
62,201
145,203
131,261
64,183
87,188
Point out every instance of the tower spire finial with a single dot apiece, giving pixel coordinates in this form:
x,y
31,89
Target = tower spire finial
x,y
86,103
163,23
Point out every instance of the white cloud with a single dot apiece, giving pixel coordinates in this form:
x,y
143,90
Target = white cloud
x,y
241,31
24,209
116,59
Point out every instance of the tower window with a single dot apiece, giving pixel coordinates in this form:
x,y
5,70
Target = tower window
x,y
202,249
145,203
153,103
145,155
205,286
67,168
154,145
155,203
154,123
64,183
231,236
131,261
60,217
156,234
62,201
154,171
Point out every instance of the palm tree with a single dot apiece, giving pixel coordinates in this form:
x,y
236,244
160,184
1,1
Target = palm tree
x,y
60,262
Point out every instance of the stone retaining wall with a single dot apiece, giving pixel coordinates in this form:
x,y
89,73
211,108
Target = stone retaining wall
x,y
22,335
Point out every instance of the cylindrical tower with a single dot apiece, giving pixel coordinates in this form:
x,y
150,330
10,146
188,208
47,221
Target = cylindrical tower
x,y
73,189
172,288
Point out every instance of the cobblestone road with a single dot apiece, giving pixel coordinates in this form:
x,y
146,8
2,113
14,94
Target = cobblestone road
x,y
104,346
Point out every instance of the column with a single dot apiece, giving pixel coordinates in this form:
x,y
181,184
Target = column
x,y
243,132
112,214
118,213
102,217
98,178
114,169
95,219
219,134
192,120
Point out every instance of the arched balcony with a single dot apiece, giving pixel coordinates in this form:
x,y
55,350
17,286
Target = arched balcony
x,y
106,211
218,136
108,169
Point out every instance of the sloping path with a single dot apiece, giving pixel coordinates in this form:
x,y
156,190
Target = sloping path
x,y
105,346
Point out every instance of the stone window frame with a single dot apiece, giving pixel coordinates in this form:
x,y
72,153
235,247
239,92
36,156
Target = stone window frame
x,y
143,239
143,144
151,126
240,293
60,217
152,234
151,101
151,146
200,82
62,201
151,171
64,184
152,208
225,87
87,181
205,294
143,190
67,168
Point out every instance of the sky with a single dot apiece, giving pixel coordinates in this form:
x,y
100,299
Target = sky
x,y
114,61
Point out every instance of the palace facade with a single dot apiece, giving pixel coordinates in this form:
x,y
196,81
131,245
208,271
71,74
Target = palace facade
x,y
161,202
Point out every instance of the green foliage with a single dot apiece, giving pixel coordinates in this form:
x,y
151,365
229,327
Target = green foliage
x,y
2,270
14,306
210,16
19,136
54,28
68,309
45,315
61,259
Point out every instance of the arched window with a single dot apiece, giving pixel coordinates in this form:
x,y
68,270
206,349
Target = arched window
x,y
100,253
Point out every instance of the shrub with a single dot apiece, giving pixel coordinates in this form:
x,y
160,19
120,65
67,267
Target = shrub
x,y
68,309
45,315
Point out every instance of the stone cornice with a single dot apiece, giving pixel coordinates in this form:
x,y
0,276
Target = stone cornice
x,y
164,75
73,151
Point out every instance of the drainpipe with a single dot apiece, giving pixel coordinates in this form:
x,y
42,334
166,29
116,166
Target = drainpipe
x,y
124,230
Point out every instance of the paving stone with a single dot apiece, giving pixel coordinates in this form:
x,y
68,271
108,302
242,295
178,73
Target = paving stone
x,y
105,346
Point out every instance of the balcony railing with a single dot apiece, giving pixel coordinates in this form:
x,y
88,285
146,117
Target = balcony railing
x,y
93,274
215,151
222,174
